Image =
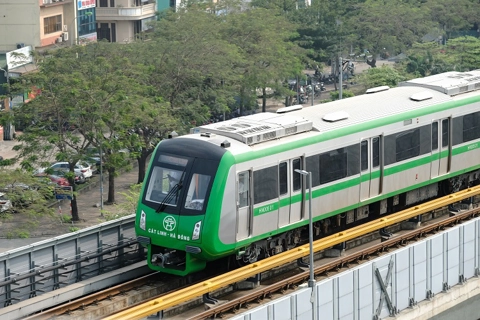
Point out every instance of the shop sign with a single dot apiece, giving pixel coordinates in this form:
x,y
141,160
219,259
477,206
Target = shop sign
x,y
85,4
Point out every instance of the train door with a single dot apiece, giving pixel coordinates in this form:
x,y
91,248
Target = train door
x,y
289,187
441,153
445,154
370,173
244,200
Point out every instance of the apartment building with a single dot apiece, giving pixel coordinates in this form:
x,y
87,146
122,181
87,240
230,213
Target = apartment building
x,y
123,20
44,23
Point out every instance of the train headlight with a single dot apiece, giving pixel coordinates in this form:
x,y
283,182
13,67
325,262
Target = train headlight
x,y
196,231
143,220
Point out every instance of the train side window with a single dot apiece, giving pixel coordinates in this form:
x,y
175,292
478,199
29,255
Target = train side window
x,y
265,184
445,131
334,165
471,126
297,181
375,152
313,166
364,155
244,189
407,144
197,191
434,135
283,177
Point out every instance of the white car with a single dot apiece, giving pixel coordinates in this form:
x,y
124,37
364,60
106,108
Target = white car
x,y
82,169
5,203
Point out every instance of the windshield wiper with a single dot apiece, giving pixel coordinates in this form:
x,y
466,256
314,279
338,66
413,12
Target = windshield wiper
x,y
172,193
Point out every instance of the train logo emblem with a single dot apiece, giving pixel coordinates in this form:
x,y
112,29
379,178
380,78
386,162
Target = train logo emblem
x,y
169,223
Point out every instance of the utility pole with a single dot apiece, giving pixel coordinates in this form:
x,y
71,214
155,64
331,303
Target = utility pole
x,y
340,92
7,131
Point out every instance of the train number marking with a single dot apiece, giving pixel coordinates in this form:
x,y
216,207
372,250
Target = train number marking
x,y
266,209
472,146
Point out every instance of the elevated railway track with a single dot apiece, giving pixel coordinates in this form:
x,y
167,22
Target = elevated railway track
x,y
177,293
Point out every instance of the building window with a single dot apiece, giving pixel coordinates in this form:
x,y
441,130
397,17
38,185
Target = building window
x,y
86,22
52,24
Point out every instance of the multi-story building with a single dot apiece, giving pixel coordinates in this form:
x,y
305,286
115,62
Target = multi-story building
x,y
43,23
123,20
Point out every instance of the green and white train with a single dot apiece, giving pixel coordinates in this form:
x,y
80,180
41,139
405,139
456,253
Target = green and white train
x,y
230,188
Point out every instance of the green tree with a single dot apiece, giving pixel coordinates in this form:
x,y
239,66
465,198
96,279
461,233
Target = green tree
x,y
28,198
268,54
89,89
152,122
463,53
376,77
191,65
387,25
460,54
453,15
426,59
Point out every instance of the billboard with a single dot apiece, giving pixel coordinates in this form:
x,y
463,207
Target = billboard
x,y
85,4
19,57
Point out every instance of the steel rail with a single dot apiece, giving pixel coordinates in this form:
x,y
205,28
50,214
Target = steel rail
x,y
356,257
156,305
94,298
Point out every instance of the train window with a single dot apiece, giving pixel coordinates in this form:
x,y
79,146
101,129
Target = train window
x,y
197,191
163,182
471,126
297,181
334,165
313,166
282,178
435,135
243,189
375,152
353,158
445,131
407,145
364,155
265,184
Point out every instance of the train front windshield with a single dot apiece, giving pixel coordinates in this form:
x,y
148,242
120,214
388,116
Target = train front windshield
x,y
179,184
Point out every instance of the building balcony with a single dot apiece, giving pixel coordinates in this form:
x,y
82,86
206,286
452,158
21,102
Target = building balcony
x,y
126,13
50,3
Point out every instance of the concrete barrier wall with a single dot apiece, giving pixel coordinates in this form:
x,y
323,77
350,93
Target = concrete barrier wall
x,y
413,279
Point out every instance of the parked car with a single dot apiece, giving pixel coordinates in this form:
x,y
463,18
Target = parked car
x,y
82,170
5,203
58,180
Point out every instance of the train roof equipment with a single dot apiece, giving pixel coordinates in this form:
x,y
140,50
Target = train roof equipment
x,y
258,127
451,83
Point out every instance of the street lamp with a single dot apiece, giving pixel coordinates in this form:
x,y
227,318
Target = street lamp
x,y
75,38
311,281
101,181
